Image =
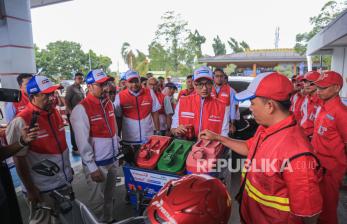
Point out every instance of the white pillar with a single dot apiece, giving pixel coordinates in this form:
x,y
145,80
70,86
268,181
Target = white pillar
x,y
339,64
16,42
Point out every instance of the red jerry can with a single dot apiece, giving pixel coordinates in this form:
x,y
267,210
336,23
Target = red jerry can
x,y
203,157
150,152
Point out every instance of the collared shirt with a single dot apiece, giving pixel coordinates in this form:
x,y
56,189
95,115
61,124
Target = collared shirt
x,y
330,133
74,95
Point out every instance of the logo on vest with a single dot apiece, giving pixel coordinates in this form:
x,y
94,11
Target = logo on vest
x,y
96,117
214,118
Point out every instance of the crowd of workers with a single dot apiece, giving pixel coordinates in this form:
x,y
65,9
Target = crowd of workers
x,y
301,127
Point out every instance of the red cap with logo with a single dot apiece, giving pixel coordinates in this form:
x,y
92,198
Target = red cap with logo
x,y
329,78
312,76
272,85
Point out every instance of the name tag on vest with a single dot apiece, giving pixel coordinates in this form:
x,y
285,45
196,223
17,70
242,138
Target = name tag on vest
x,y
187,114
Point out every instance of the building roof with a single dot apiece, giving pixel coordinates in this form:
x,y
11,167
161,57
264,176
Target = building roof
x,y
333,35
261,57
39,3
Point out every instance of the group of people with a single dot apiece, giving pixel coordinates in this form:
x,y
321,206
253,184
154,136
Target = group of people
x,y
301,128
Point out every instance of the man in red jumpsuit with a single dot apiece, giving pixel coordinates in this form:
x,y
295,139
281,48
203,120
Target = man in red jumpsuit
x,y
329,142
310,103
281,174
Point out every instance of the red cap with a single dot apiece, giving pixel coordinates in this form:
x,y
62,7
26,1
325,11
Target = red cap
x,y
329,78
312,76
272,85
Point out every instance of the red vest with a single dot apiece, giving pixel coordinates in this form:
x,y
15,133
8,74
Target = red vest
x,y
223,95
20,106
102,119
212,113
51,137
136,107
161,98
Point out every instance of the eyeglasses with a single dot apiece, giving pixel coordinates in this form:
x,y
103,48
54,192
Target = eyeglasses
x,y
200,85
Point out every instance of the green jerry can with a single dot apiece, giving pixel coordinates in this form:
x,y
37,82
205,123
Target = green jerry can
x,y
174,157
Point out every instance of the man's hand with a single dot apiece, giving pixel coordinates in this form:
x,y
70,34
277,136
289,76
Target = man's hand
x,y
179,131
209,135
34,195
29,135
97,176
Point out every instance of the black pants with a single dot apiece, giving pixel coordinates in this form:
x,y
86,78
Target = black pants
x,y
72,135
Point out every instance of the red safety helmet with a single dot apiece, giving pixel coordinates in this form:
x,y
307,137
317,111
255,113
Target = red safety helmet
x,y
191,199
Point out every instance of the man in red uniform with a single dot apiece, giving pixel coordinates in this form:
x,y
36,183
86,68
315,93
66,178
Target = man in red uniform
x,y
190,88
310,103
49,145
201,110
226,94
280,177
94,122
138,108
329,141
297,97
12,109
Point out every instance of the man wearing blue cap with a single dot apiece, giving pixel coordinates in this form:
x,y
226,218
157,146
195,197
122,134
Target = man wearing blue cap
x,y
201,110
49,145
95,126
138,107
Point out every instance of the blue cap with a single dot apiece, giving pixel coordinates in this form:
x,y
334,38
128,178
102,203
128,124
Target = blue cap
x,y
97,76
40,84
131,74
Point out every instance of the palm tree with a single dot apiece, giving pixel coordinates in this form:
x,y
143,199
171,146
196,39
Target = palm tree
x,y
128,54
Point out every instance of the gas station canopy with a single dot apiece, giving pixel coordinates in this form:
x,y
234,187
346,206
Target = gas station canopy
x,y
261,57
39,3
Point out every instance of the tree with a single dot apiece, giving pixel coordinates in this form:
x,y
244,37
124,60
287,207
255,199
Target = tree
x,y
159,57
61,59
237,47
172,32
195,40
131,56
218,46
329,11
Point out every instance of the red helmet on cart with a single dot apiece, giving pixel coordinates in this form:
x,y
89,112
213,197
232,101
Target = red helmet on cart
x,y
191,199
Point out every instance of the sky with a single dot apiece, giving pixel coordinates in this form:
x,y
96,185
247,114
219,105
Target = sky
x,y
104,25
